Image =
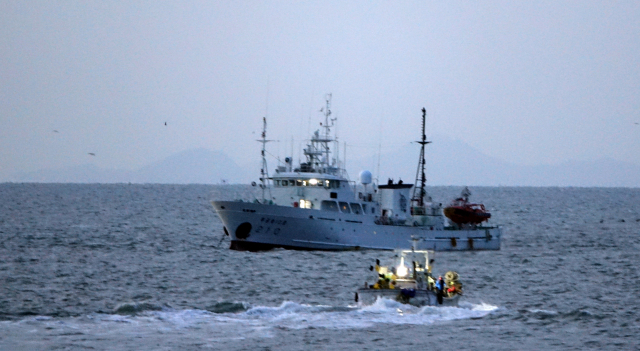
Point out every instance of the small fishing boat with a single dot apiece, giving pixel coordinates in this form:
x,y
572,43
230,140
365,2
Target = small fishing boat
x,y
462,212
409,281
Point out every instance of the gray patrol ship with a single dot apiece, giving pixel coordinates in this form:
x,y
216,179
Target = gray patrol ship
x,y
315,206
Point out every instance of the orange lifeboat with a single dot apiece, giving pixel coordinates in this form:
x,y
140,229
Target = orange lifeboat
x,y
461,211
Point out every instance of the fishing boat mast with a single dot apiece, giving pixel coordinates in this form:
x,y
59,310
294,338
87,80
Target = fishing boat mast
x,y
419,192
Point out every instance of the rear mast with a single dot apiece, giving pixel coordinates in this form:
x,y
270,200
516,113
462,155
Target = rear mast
x,y
419,192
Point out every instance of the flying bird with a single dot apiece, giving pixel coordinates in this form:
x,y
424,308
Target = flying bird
x,y
92,154
165,123
55,131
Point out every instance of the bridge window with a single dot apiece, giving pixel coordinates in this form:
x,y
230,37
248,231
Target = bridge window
x,y
344,207
284,182
355,208
329,206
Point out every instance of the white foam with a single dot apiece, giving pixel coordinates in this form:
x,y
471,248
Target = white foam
x,y
261,321
479,307
297,316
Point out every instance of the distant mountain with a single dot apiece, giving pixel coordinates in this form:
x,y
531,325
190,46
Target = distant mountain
x,y
448,162
452,162
198,166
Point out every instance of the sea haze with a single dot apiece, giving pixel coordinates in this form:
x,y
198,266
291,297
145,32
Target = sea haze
x,y
449,162
147,267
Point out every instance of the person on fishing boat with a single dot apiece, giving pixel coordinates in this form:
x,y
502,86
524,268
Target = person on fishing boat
x,y
381,283
440,285
391,275
452,290
377,267
431,283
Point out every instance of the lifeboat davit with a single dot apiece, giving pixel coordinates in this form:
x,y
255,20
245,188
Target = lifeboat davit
x,y
461,211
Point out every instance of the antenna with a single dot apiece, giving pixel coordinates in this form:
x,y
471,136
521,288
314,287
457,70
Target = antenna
x,y
266,108
379,155
379,145
344,156
419,192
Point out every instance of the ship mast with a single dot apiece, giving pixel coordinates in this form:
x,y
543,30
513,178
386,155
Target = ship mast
x,y
326,126
327,130
318,152
264,172
419,192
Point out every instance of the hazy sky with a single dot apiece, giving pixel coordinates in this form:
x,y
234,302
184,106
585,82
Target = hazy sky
x,y
526,82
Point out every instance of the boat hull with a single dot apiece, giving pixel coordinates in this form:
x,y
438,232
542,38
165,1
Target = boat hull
x,y
255,226
417,298
461,215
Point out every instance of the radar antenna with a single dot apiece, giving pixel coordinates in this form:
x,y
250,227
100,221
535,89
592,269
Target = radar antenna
x,y
419,191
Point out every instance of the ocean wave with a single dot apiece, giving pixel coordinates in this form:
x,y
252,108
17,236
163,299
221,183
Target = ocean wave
x,y
134,308
574,315
581,314
228,307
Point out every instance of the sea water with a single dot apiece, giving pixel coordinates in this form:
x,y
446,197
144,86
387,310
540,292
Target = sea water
x,y
147,267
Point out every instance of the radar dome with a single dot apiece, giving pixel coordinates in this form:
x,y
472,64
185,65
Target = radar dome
x,y
365,177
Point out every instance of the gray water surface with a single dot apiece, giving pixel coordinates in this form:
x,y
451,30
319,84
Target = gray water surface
x,y
143,267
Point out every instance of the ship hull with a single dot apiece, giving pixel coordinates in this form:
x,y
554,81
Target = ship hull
x,y
255,226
